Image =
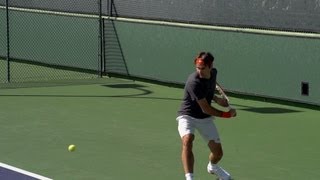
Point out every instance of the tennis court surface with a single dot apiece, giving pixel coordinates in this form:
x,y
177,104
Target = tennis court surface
x,y
8,172
127,130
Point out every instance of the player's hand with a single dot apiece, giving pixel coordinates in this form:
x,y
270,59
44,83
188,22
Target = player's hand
x,y
222,102
233,112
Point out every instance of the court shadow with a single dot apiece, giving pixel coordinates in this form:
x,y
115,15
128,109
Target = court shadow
x,y
132,86
269,110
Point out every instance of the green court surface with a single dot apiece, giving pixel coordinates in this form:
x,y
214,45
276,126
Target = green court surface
x,y
127,130
23,72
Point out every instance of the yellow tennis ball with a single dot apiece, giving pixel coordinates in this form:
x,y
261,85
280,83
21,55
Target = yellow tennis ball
x,y
71,147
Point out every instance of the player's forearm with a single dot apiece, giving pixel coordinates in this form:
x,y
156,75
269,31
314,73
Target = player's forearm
x,y
221,101
208,109
215,112
215,98
218,100
212,111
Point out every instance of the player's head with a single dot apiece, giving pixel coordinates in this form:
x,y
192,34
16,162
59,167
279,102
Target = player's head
x,y
203,63
205,59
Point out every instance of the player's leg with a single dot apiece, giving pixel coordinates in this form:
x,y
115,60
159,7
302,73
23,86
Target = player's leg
x,y
187,155
186,130
215,156
210,134
216,152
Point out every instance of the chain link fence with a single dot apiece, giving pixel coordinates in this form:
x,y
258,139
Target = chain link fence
x,y
77,39
63,46
47,45
71,6
3,45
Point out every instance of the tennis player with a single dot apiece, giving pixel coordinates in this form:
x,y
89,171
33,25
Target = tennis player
x,y
196,113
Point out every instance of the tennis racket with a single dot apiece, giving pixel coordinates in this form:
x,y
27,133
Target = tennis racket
x,y
223,94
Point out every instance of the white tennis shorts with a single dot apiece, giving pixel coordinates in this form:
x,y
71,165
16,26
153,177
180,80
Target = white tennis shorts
x,y
206,127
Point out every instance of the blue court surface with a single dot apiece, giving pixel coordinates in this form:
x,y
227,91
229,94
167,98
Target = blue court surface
x,y
8,172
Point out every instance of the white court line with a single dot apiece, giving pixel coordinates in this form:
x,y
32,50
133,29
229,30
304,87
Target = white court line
x,y
24,172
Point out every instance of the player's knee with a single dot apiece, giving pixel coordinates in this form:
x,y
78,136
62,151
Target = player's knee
x,y
216,156
219,155
216,150
187,141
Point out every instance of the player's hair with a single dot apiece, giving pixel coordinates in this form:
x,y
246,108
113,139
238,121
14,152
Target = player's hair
x,y
204,58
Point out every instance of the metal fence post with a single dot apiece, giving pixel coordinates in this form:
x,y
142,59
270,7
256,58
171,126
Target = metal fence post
x,y
101,40
111,8
8,42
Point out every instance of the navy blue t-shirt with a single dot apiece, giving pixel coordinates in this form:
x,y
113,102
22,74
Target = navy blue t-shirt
x,y
197,88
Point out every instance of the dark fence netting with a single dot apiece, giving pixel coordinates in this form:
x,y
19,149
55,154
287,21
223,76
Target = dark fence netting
x,y
47,46
3,46
114,58
291,15
288,15
73,41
